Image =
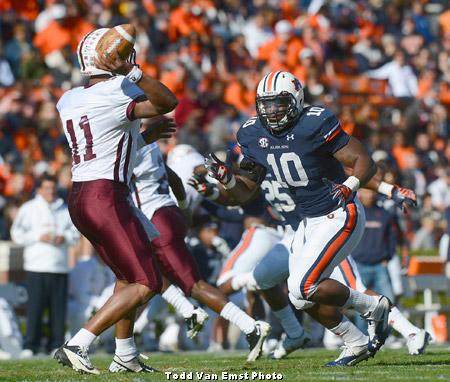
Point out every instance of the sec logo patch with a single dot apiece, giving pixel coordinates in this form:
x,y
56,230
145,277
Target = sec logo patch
x,y
263,142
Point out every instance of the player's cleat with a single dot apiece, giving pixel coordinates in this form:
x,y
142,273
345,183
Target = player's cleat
x,y
289,345
135,365
417,343
350,356
256,339
195,322
75,357
378,324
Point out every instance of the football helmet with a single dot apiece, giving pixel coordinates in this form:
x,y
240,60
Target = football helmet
x,y
86,52
279,101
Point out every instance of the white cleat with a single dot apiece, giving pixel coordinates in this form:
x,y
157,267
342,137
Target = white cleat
x,y
289,345
378,324
417,343
350,356
195,322
256,339
135,365
75,357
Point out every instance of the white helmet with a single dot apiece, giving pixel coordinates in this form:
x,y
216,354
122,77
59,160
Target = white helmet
x,y
279,100
86,52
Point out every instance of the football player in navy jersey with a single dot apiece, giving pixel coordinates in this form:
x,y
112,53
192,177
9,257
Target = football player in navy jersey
x,y
305,150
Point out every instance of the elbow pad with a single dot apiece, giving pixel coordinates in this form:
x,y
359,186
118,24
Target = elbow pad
x,y
252,170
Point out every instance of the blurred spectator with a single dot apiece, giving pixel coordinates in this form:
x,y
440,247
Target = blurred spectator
x,y
401,78
377,246
440,189
208,251
87,280
44,228
424,237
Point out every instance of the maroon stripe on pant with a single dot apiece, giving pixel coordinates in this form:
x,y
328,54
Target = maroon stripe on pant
x,y
176,262
118,158
101,211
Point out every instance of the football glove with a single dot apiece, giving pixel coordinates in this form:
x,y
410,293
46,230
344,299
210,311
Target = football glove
x,y
201,185
340,192
222,171
403,197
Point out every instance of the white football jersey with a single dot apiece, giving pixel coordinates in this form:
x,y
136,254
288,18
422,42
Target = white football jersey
x,y
101,136
150,183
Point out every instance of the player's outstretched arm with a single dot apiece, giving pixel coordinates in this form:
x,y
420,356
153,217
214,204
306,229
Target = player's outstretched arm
x,y
401,196
240,189
215,192
160,100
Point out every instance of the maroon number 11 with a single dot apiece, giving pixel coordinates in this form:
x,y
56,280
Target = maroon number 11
x,y
84,125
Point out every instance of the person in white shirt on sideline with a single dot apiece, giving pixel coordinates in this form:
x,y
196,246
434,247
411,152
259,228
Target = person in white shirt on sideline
x,y
401,78
44,228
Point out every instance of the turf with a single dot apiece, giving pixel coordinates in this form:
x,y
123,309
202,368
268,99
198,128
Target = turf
x,y
307,365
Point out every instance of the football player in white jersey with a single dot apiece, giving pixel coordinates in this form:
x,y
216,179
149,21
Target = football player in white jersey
x,y
101,123
152,196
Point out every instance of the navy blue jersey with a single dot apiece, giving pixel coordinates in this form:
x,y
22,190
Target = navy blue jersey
x,y
280,199
300,158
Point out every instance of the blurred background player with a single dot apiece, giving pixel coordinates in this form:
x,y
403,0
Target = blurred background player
x,y
151,191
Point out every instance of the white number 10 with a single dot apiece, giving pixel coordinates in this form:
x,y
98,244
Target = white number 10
x,y
284,162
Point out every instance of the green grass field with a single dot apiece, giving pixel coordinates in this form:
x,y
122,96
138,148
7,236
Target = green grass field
x,y
307,365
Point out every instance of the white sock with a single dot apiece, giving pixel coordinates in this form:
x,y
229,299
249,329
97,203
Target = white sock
x,y
240,281
175,297
82,338
360,302
401,324
289,322
238,317
351,335
126,348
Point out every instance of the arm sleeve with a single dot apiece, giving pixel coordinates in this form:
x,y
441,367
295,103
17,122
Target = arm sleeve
x,y
330,137
124,99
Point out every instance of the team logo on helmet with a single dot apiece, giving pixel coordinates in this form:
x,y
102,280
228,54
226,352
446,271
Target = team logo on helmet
x,y
263,142
297,84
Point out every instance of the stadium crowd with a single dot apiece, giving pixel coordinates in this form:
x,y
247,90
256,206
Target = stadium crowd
x,y
382,66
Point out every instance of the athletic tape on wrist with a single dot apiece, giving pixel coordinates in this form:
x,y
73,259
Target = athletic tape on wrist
x,y
352,182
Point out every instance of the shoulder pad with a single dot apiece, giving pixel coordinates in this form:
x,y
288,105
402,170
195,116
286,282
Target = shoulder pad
x,y
247,130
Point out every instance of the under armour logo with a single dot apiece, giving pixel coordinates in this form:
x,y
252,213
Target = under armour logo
x,y
290,137
297,84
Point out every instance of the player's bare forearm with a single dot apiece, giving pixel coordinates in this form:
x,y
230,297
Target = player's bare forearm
x,y
355,156
374,182
243,191
160,100
225,197
176,184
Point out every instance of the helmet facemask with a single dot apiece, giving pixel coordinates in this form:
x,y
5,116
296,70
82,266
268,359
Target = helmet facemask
x,y
277,112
